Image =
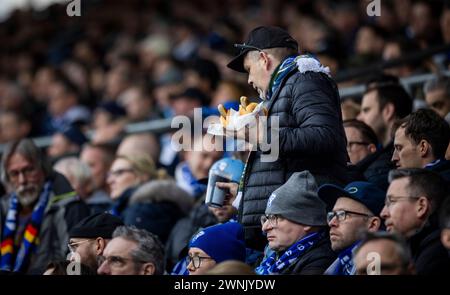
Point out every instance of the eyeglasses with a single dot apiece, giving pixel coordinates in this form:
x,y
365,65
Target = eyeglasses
x,y
351,144
27,172
74,245
116,261
272,218
394,199
196,260
119,172
341,215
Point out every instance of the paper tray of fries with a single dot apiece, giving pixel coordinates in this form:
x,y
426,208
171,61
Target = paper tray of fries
x,y
236,120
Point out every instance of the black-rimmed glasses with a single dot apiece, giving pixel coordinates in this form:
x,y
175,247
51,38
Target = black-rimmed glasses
x,y
341,215
196,260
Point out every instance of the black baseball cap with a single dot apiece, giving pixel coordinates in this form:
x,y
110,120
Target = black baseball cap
x,y
260,38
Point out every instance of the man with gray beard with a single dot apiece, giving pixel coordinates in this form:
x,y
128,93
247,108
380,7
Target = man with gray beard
x,y
38,213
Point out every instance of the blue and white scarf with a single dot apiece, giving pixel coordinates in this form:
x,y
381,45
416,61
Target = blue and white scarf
x,y
180,269
304,63
343,265
272,265
30,236
187,181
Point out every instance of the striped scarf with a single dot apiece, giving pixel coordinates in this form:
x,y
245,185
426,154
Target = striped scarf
x,y
303,63
275,265
344,265
30,237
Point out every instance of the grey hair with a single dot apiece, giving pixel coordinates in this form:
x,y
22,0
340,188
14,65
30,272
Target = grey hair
x,y
74,167
437,83
27,149
401,247
149,247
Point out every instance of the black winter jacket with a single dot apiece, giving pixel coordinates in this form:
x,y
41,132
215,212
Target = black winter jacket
x,y
156,206
311,137
315,261
429,255
376,167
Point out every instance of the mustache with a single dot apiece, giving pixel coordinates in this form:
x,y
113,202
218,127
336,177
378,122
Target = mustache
x,y
27,188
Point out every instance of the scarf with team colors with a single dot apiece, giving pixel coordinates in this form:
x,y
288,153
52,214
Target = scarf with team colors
x,y
30,237
303,63
271,265
343,265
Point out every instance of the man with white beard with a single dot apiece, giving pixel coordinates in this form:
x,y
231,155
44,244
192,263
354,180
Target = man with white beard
x,y
38,213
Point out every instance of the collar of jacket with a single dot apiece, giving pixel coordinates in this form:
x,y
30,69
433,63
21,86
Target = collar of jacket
x,y
428,233
368,160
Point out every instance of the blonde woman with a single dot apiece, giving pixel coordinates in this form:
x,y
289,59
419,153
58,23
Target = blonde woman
x,y
126,174
145,196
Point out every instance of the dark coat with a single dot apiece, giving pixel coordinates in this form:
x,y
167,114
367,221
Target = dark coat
x,y
376,167
442,168
65,209
157,211
315,261
429,255
184,229
311,137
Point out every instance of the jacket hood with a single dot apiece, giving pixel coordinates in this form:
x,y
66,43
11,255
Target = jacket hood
x,y
157,191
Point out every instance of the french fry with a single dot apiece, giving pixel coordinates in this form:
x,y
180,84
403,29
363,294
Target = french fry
x,y
244,101
222,110
223,121
251,107
242,110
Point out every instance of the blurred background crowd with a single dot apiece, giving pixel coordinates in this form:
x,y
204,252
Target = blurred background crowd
x,y
82,80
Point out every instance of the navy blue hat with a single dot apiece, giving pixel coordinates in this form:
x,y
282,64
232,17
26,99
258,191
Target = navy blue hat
x,y
192,94
74,134
113,108
221,241
363,192
262,38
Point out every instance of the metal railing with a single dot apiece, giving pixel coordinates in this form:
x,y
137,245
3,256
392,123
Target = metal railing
x,y
156,126
407,82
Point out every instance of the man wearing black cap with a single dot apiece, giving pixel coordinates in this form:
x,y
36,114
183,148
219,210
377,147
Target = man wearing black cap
x,y
298,91
355,210
90,236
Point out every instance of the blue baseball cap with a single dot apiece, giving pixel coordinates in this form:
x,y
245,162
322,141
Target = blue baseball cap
x,y
363,192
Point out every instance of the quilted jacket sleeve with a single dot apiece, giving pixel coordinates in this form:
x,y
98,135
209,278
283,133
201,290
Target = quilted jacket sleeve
x,y
316,112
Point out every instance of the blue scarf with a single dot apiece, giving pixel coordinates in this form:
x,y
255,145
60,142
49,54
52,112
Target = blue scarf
x,y
30,237
343,265
272,265
303,63
122,202
180,269
196,188
280,72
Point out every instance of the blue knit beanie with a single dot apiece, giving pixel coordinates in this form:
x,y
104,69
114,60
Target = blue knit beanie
x,y
221,241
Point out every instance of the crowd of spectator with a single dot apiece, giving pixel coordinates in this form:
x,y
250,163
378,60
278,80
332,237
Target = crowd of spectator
x,y
368,173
